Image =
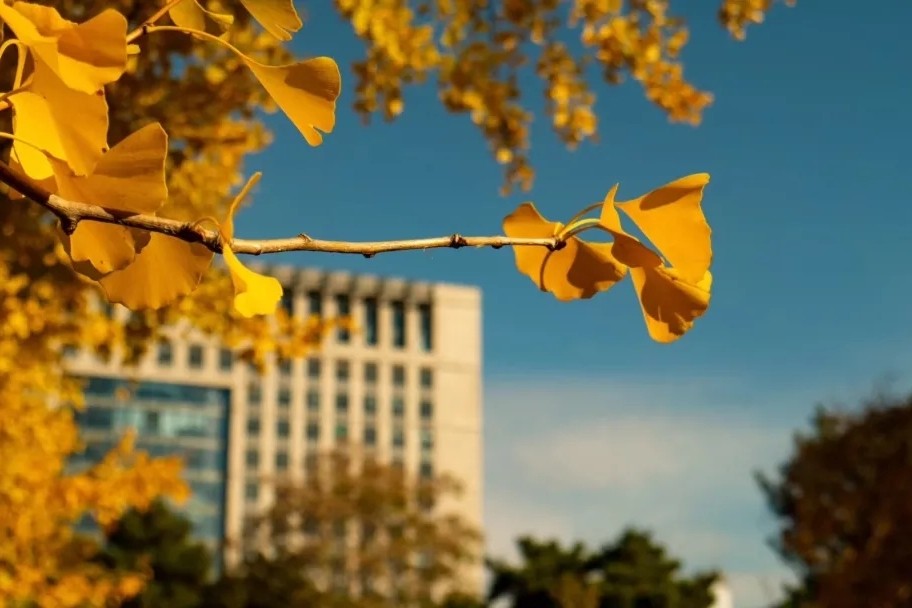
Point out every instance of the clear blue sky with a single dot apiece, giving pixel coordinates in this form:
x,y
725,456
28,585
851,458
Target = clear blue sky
x,y
589,424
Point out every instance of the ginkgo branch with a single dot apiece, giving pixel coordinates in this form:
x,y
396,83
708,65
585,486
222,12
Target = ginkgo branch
x,y
139,31
70,213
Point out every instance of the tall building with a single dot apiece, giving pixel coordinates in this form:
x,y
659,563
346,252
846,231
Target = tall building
x,y
407,386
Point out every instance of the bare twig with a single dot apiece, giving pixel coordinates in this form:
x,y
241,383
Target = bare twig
x,y
70,213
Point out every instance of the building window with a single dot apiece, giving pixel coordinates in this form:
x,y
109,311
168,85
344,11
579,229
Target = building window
x,y
425,321
398,407
370,405
285,366
251,491
195,356
343,309
313,369
425,470
370,373
313,431
370,436
284,397
342,371
398,376
253,425
288,301
313,400
370,321
254,393
398,437
342,432
315,303
226,359
281,460
283,429
427,410
427,378
253,459
341,403
165,353
398,324
310,465
427,440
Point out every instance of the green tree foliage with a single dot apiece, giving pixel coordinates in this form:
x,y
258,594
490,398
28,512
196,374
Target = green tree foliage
x,y
631,572
843,500
159,541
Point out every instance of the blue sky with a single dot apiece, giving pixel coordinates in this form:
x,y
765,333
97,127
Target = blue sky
x,y
591,426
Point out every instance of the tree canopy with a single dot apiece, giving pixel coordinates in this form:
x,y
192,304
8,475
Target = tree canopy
x,y
843,503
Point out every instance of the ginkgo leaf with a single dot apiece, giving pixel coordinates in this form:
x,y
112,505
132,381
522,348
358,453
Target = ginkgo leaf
x,y
670,301
254,293
43,117
166,269
670,304
578,270
671,217
85,56
306,91
278,17
191,14
129,178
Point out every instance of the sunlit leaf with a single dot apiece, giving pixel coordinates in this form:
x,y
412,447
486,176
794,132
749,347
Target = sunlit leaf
x,y
129,178
255,294
672,219
578,270
306,91
191,14
44,117
85,56
670,301
166,269
278,17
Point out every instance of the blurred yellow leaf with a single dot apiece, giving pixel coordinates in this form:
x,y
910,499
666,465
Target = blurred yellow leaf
x,y
166,269
278,17
44,117
578,270
192,15
129,178
672,219
85,56
254,293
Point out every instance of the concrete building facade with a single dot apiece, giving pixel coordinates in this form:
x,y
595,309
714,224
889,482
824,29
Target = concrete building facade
x,y
406,386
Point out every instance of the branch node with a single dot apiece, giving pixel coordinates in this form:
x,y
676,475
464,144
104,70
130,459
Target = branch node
x,y
558,244
368,255
68,225
306,238
457,241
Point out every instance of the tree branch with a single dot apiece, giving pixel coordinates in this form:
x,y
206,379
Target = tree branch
x,y
70,213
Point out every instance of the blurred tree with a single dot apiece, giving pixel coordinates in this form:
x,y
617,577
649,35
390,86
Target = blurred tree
x,y
46,309
478,49
159,542
357,534
632,572
843,500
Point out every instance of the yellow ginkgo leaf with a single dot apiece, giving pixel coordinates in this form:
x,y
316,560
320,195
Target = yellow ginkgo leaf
x,y
670,301
190,14
670,304
671,217
166,269
43,117
278,17
254,293
129,178
578,270
85,56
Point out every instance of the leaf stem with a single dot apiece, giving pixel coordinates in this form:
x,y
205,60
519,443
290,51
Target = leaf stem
x,y
142,29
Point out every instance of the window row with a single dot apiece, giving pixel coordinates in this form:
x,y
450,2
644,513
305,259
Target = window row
x,y
312,430
370,321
